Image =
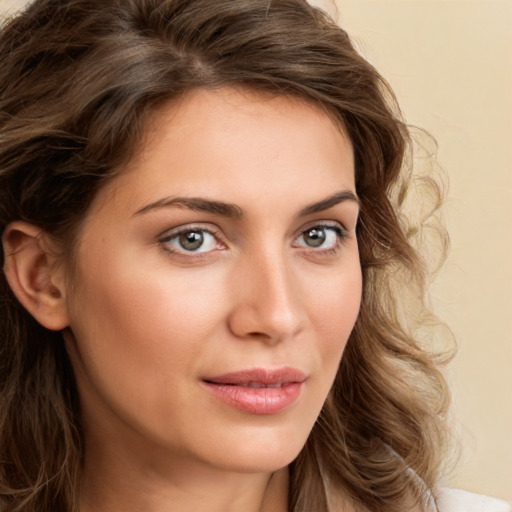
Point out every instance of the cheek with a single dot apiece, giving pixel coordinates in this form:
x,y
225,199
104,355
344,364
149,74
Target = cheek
x,y
333,310
150,313
337,300
144,326
140,335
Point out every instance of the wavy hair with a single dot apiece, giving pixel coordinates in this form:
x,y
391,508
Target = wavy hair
x,y
79,81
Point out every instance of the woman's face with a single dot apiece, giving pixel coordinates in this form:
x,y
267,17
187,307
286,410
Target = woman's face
x,y
216,282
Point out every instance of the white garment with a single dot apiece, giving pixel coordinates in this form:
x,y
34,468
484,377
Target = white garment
x,y
456,500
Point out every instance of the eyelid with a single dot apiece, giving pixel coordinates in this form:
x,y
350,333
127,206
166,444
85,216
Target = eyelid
x,y
330,224
178,230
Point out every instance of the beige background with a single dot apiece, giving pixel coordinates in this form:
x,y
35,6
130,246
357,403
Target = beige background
x,y
450,63
10,4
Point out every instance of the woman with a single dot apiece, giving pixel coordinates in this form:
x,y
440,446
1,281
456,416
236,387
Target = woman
x,y
202,237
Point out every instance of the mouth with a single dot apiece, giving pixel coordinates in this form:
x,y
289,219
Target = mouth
x,y
258,391
254,385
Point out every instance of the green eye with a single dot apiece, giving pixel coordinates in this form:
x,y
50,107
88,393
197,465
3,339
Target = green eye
x,y
315,237
321,237
192,240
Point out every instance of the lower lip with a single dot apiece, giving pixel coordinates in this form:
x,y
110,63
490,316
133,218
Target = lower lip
x,y
262,401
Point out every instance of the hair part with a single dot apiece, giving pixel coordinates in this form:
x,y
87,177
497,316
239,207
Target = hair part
x,y
79,82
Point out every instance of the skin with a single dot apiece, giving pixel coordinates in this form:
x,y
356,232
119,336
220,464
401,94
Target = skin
x,y
146,320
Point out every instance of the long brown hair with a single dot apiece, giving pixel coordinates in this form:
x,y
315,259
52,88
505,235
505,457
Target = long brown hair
x,y
79,80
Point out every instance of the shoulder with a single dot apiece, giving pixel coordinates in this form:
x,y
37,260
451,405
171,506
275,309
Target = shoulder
x,y
456,500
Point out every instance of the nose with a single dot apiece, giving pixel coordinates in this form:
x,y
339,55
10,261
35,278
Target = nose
x,y
267,304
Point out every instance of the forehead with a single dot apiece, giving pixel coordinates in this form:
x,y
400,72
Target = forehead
x,y
231,142
227,108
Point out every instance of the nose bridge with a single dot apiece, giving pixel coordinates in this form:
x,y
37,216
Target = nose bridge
x,y
267,302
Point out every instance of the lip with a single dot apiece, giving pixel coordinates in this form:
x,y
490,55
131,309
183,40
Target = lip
x,y
258,391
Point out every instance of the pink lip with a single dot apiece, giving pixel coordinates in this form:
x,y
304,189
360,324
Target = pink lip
x,y
258,391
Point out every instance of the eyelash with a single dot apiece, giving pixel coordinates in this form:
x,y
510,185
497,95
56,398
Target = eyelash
x,y
175,235
339,231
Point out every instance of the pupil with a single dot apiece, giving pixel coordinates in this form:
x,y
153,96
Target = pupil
x,y
315,237
191,240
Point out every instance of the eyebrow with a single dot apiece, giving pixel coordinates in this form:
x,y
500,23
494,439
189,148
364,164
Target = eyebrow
x,y
339,197
234,211
197,204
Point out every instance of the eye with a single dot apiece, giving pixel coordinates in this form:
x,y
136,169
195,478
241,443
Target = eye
x,y
190,240
323,237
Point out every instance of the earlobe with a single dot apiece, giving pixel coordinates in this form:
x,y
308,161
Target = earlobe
x,y
33,274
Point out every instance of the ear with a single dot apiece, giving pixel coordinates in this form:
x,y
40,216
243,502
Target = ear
x,y
34,275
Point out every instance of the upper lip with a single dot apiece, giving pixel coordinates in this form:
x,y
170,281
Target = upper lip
x,y
263,376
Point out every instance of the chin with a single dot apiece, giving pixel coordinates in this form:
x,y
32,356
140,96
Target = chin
x,y
260,451
258,462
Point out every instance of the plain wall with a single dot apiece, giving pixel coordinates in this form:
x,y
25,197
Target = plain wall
x,y
10,4
450,63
